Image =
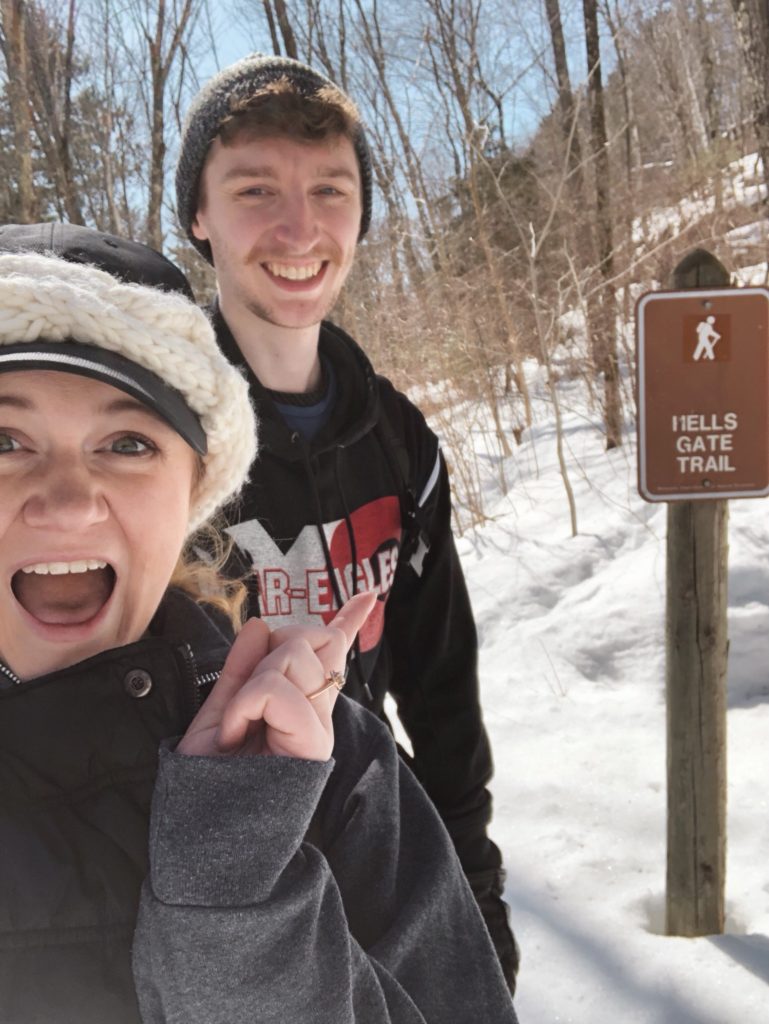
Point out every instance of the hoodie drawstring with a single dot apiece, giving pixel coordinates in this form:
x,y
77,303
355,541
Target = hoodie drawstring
x,y
311,480
356,661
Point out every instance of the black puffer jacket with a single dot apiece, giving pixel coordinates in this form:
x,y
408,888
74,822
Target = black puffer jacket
x,y
78,760
278,890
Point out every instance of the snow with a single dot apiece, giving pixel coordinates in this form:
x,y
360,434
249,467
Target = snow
x,y
741,188
745,235
572,669
754,276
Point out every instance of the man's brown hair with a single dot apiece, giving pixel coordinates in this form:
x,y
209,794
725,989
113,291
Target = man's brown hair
x,y
278,110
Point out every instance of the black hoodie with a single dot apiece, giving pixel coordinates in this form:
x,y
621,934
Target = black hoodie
x,y
371,481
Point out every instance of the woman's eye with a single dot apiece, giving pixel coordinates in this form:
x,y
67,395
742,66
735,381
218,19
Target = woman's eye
x,y
129,444
8,443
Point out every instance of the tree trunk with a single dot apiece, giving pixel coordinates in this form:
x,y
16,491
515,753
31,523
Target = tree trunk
x,y
162,58
71,201
15,47
604,332
271,24
157,136
753,23
566,106
289,40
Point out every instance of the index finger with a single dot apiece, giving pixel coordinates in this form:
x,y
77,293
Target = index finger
x,y
332,642
249,648
353,614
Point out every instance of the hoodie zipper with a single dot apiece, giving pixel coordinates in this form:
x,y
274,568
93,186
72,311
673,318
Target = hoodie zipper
x,y
197,680
7,672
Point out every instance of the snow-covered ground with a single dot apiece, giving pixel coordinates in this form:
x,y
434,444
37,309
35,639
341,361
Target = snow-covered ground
x,y
572,662
742,186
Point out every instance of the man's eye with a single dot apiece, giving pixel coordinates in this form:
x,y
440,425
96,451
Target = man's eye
x,y
8,443
129,444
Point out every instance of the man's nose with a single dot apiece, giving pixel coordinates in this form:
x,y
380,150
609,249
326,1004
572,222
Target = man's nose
x,y
65,496
298,222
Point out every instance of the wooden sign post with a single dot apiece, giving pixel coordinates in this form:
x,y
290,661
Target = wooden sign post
x,y
703,432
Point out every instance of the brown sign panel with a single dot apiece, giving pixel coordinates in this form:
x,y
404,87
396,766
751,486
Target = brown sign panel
x,y
703,394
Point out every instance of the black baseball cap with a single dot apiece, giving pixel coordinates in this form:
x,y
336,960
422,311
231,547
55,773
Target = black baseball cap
x,y
132,262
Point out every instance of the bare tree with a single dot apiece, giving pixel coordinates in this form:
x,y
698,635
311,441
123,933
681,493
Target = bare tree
x,y
567,107
455,59
278,18
162,28
604,332
14,46
51,81
753,23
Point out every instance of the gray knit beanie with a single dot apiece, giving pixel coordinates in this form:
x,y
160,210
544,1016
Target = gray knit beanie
x,y
233,90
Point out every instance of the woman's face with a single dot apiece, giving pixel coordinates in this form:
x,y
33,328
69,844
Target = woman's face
x,y
94,504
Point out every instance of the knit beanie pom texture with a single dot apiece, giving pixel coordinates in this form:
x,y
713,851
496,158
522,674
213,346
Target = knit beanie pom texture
x,y
44,298
233,90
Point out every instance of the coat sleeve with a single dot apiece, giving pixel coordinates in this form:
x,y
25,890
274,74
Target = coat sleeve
x,y
433,647
243,918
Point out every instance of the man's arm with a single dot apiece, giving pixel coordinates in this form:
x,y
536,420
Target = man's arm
x,y
433,645
434,650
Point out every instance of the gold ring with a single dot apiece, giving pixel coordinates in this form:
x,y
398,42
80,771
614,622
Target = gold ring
x,y
334,678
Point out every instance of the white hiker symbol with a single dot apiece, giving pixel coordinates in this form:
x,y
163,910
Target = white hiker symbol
x,y
707,337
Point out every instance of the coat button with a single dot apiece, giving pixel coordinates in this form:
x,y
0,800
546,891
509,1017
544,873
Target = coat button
x,y
137,683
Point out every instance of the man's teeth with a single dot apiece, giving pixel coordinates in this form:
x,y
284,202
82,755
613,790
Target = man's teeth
x,y
61,568
295,273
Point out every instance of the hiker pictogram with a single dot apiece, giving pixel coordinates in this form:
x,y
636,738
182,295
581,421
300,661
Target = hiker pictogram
x,y
707,339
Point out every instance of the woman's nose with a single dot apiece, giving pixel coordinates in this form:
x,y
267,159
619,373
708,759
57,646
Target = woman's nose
x,y
65,496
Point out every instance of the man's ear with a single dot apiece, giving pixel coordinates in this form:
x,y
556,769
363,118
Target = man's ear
x,y
198,229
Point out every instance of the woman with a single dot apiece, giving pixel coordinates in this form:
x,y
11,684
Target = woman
x,y
295,871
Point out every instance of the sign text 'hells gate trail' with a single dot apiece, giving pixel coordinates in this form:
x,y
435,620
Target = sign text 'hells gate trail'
x,y
703,394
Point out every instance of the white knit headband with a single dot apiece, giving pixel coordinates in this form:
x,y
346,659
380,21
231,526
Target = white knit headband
x,y
44,298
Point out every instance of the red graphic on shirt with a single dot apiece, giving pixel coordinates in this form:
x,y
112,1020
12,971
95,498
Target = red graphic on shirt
x,y
299,588
377,534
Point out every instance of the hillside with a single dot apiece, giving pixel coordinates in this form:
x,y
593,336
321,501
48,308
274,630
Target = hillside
x,y
572,665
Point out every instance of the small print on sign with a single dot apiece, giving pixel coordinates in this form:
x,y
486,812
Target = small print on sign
x,y
707,339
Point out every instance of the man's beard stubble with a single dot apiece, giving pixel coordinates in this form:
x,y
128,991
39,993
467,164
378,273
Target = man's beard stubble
x,y
255,259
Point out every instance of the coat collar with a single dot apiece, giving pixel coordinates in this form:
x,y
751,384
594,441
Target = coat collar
x,y
356,408
179,621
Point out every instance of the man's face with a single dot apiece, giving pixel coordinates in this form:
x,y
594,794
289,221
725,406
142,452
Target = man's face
x,y
282,218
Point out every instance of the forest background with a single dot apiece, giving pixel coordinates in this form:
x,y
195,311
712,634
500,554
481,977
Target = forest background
x,y
522,152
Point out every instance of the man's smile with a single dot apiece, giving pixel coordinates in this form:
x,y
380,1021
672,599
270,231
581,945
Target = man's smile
x,y
294,272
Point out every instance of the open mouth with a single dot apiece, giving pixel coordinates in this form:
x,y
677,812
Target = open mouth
x,y
64,593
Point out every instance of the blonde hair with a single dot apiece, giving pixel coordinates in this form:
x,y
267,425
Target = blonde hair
x,y
198,572
199,567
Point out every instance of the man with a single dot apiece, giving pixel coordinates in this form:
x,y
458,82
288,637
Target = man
x,y
350,491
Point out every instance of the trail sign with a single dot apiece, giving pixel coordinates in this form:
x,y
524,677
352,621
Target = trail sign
x,y
703,394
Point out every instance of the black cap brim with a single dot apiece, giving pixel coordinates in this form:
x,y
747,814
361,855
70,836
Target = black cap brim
x,y
113,369
128,261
